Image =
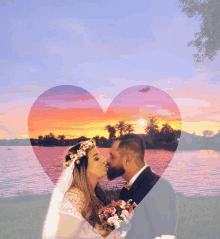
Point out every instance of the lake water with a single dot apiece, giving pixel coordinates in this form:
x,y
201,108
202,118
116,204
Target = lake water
x,y
189,172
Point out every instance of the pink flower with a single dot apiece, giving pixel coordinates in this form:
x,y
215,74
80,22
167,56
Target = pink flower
x,y
121,202
106,211
101,210
114,204
134,204
111,221
112,210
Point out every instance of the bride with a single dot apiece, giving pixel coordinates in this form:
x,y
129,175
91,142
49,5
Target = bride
x,y
78,196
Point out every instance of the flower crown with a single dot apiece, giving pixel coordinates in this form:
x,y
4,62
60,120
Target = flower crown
x,y
84,146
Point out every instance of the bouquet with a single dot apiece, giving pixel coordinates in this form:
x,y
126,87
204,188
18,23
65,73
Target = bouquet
x,y
117,216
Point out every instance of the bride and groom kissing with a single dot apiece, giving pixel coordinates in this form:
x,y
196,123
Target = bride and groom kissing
x,y
78,196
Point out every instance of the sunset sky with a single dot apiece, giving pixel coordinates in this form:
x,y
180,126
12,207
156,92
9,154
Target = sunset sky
x,y
74,112
103,48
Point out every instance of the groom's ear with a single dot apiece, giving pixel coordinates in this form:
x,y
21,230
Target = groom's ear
x,y
128,158
124,160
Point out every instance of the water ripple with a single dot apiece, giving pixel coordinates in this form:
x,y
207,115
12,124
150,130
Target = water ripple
x,y
189,172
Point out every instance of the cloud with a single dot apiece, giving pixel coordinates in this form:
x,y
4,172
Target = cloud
x,y
3,128
214,117
168,89
191,102
151,106
145,90
164,112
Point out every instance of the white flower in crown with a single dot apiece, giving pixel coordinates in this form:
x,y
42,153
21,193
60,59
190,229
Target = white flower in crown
x,y
84,148
81,153
90,143
73,156
166,237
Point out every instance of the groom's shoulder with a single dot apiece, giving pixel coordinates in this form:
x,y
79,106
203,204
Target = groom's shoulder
x,y
158,182
164,187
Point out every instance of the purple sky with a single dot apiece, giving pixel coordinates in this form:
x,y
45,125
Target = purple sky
x,y
103,47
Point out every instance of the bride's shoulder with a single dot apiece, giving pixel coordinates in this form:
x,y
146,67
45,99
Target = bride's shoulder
x,y
72,203
75,195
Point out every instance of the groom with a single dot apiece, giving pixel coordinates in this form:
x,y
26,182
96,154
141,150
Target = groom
x,y
156,212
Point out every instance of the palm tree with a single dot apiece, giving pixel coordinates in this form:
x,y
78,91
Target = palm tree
x,y
50,139
130,128
152,127
61,137
111,131
40,139
121,127
166,128
52,136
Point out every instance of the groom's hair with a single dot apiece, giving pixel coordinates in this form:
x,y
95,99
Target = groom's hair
x,y
133,143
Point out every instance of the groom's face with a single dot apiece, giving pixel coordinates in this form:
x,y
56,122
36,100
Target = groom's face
x,y
114,162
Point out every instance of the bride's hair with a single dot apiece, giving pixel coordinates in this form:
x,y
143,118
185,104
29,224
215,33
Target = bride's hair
x,y
80,180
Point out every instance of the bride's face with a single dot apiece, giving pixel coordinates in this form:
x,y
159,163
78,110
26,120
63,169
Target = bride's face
x,y
96,164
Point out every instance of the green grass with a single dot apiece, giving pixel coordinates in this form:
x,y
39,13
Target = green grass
x,y
198,217
22,217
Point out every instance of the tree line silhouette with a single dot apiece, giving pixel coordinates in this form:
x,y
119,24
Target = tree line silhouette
x,y
154,138
155,135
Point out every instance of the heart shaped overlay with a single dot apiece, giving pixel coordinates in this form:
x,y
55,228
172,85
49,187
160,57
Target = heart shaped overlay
x,y
65,115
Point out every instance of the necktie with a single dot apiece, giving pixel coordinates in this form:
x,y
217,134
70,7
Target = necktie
x,y
124,194
127,186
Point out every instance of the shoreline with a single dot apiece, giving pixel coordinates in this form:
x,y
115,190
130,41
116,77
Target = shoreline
x,y
33,197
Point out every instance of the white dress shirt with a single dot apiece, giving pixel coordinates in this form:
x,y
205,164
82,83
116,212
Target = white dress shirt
x,y
136,175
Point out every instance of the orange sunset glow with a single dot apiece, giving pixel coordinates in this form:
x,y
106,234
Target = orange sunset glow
x,y
74,112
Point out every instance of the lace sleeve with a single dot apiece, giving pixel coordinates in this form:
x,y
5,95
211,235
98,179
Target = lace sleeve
x,y
72,203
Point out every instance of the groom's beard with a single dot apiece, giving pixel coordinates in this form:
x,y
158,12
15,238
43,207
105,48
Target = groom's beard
x,y
115,172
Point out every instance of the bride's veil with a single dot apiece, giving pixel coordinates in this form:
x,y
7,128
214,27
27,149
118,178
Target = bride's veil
x,y
63,184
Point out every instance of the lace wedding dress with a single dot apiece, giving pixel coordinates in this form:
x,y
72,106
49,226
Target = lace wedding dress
x,y
72,205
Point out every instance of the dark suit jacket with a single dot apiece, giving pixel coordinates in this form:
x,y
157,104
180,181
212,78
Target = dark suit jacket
x,y
156,212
